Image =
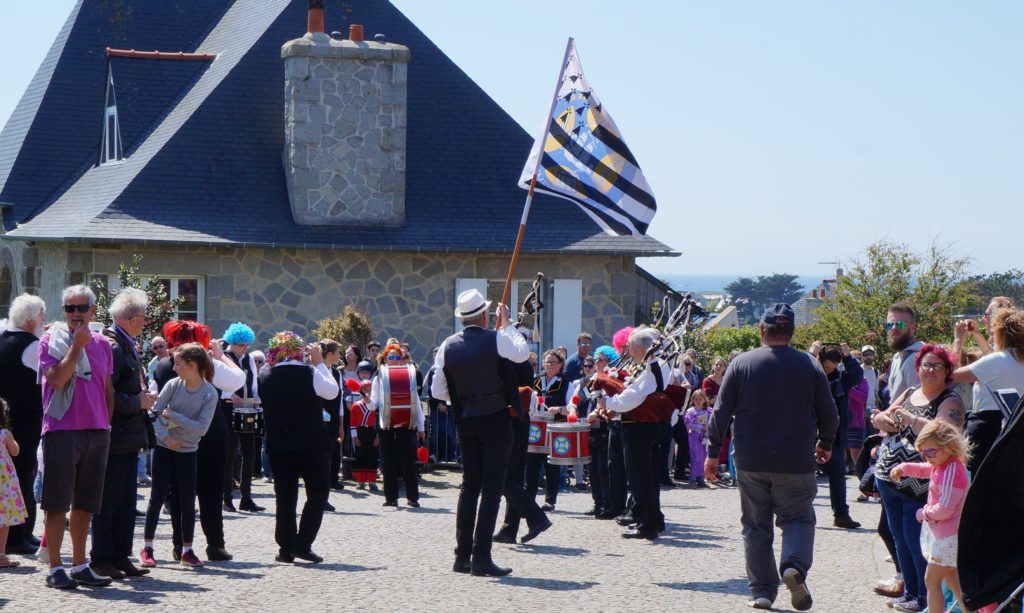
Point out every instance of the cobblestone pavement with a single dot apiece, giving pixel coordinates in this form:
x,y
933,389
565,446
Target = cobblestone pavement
x,y
391,560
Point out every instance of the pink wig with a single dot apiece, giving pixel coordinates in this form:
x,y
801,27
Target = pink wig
x,y
621,338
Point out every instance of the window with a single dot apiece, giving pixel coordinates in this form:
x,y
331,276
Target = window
x,y
111,151
189,288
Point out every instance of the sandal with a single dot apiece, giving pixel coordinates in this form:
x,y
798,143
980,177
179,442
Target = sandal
x,y
6,562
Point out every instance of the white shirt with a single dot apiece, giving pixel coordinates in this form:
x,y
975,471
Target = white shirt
x,y
377,401
638,390
872,376
323,381
511,345
995,371
227,378
29,357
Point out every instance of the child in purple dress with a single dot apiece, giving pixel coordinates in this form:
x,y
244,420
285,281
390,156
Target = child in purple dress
x,y
696,420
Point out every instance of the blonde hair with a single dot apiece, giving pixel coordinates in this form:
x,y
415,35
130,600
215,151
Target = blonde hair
x,y
1008,331
702,395
946,436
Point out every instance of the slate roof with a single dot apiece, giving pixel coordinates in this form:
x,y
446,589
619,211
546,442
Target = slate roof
x,y
205,141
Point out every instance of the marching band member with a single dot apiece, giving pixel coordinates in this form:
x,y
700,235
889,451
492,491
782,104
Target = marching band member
x,y
238,338
395,399
292,393
553,388
469,377
615,498
586,407
365,439
646,411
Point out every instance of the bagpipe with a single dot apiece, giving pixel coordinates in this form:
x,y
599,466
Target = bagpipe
x,y
531,304
669,345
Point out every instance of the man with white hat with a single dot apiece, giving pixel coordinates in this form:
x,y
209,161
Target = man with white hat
x,y
867,359
471,375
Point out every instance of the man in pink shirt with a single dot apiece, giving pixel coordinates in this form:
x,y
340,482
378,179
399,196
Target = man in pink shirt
x,y
76,365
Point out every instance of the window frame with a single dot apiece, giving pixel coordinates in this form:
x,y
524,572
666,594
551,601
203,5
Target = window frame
x,y
111,143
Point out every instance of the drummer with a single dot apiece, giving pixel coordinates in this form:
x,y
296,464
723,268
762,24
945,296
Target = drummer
x,y
614,498
237,339
553,388
397,439
586,408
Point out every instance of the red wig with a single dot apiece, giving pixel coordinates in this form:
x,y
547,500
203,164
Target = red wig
x,y
940,352
181,331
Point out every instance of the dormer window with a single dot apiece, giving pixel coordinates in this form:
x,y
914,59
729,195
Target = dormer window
x,y
111,151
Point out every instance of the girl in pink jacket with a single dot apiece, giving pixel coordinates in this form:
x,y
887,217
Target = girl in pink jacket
x,y
946,452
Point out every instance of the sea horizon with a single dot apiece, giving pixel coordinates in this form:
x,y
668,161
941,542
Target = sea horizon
x,y
716,283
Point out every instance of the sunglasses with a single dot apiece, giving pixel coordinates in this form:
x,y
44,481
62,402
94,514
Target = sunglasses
x,y
930,452
899,325
81,308
394,358
588,366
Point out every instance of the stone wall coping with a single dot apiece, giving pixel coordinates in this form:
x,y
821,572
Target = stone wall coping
x,y
344,50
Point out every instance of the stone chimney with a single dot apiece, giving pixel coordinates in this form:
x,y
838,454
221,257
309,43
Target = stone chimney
x,y
345,126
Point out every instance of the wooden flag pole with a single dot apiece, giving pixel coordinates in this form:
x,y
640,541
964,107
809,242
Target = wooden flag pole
x,y
533,182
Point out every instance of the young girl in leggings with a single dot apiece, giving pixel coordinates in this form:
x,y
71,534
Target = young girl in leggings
x,y
184,410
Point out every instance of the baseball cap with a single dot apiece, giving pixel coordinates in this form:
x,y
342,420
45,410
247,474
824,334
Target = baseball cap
x,y
867,348
778,313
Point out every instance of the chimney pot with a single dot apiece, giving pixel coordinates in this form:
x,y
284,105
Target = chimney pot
x,y
315,17
355,33
380,38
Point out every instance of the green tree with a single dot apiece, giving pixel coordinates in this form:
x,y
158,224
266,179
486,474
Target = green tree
x,y
1009,284
744,293
933,283
351,327
751,297
160,310
710,344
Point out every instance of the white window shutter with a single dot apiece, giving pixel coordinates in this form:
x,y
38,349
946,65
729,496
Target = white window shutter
x,y
568,312
462,285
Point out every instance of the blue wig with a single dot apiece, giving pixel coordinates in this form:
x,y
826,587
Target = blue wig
x,y
608,352
239,334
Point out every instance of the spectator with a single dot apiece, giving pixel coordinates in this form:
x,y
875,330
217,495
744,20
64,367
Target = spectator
x,y
901,327
77,398
574,363
867,363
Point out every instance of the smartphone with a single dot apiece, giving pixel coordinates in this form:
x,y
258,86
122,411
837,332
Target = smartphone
x,y
1008,400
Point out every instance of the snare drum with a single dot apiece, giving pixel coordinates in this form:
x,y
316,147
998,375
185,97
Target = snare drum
x,y
247,418
569,443
538,437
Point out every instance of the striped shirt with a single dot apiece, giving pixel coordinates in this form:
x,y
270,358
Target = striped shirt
x,y
947,489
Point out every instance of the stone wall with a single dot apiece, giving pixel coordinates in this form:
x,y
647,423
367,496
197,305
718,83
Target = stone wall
x,y
345,129
411,296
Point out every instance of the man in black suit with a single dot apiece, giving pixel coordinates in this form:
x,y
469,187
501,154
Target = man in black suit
x,y
468,376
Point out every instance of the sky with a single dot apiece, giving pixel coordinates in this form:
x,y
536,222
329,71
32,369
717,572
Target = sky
x,y
775,135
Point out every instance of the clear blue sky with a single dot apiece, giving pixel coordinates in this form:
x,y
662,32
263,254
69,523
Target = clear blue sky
x,y
775,135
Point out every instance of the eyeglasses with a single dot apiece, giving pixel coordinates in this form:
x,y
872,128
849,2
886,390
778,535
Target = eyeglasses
x,y
933,367
899,325
588,366
546,363
81,308
930,452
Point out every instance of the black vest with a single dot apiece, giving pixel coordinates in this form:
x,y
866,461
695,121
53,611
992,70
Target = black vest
x,y
18,382
333,406
292,412
471,369
244,363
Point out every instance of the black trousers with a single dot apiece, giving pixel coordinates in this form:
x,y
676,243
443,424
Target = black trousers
x,y
662,473
180,469
27,436
519,501
599,467
113,528
210,460
552,476
486,444
616,469
334,449
288,467
682,450
239,445
398,452
982,429
640,442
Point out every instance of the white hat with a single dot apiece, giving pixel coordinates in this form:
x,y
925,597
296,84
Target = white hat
x,y
471,302
867,348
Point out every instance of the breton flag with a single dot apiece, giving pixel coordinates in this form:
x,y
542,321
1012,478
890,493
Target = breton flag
x,y
582,158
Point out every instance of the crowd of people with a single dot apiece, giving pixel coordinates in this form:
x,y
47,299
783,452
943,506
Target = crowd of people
x,y
85,422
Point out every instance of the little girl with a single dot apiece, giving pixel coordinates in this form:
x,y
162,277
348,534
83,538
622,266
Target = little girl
x,y
946,452
363,422
184,411
12,505
696,419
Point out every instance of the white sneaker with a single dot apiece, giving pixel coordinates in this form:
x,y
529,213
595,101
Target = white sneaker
x,y
760,603
43,554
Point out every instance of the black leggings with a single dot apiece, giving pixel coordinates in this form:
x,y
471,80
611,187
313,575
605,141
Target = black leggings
x,y
886,534
180,469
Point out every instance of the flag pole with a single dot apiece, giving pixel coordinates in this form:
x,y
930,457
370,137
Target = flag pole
x,y
533,181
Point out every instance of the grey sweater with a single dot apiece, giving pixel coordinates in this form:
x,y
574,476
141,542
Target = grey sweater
x,y
782,404
192,413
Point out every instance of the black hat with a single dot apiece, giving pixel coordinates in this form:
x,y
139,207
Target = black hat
x,y
365,365
778,313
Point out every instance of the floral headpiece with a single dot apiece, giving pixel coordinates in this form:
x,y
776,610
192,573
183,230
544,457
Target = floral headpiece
x,y
285,346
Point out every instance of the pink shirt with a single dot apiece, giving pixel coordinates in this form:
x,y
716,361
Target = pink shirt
x,y
947,489
88,410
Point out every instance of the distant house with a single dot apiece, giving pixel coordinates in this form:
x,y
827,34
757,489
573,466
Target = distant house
x,y
272,178
727,318
804,308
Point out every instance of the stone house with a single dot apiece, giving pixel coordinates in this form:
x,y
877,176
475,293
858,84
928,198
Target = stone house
x,y
272,178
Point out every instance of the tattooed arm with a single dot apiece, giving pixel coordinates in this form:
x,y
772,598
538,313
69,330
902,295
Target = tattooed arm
x,y
951,410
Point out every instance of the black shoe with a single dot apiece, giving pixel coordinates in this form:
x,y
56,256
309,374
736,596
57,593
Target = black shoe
x,y
593,511
176,554
504,538
218,554
139,513
625,520
337,485
535,531
247,504
61,580
547,506
89,577
581,487
461,565
489,569
667,485
33,540
21,549
308,556
284,558
413,503
845,521
638,533
390,503
230,507
129,569
606,515
329,507
374,488
799,595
